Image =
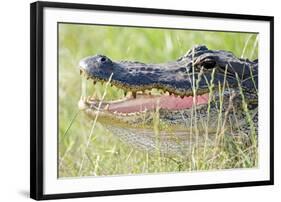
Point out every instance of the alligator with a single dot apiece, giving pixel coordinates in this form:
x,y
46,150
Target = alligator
x,y
173,106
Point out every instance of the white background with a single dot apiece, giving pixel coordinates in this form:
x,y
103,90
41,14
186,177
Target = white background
x,y
14,101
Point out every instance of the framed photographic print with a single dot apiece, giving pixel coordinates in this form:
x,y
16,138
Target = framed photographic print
x,y
135,100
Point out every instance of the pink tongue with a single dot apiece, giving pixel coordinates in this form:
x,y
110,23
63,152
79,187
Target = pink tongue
x,y
151,102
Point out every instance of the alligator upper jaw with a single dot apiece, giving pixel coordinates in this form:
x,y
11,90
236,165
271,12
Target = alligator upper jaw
x,y
148,98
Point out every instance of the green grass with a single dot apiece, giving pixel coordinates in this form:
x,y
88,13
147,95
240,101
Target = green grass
x,y
86,153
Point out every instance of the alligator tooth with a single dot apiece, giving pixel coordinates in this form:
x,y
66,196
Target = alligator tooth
x,y
88,99
134,94
106,107
128,94
115,112
122,114
81,104
143,111
94,96
154,91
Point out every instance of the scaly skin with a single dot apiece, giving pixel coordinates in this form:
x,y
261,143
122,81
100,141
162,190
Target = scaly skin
x,y
231,84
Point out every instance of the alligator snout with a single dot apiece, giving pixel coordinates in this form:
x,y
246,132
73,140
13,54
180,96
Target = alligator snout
x,y
93,64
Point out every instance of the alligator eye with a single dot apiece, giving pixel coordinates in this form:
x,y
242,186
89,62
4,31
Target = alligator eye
x,y
208,63
103,59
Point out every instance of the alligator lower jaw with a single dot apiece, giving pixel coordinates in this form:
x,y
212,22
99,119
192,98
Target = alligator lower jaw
x,y
144,102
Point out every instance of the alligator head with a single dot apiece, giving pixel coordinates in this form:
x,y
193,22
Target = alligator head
x,y
200,92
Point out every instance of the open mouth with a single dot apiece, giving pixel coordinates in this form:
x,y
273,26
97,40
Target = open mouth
x,y
149,99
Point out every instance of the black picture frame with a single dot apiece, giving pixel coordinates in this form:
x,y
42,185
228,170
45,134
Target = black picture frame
x,y
37,98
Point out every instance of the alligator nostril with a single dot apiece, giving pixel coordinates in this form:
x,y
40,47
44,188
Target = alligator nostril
x,y
82,64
